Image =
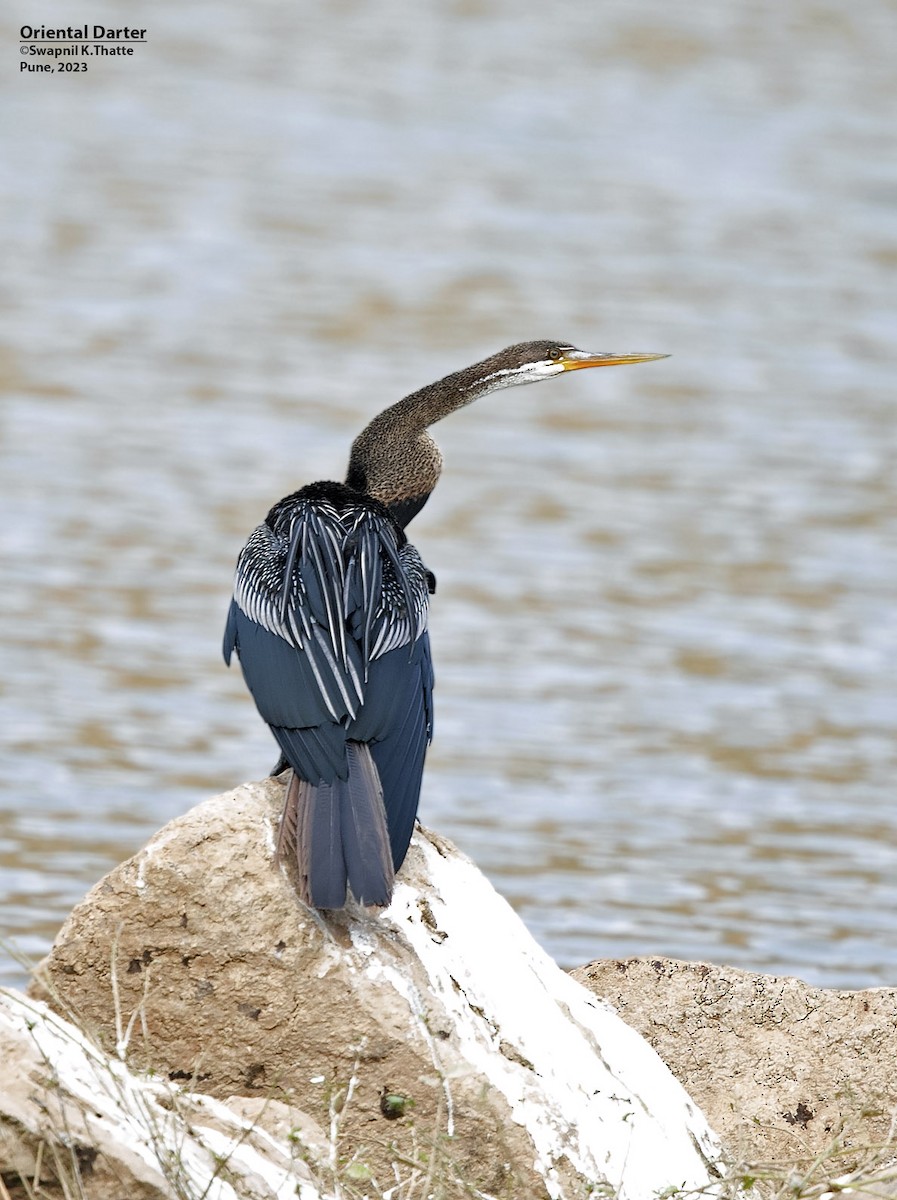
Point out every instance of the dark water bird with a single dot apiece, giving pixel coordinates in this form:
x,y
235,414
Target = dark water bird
x,y
329,619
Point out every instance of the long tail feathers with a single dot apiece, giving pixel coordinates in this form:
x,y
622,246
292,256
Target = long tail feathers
x,y
365,836
286,834
340,836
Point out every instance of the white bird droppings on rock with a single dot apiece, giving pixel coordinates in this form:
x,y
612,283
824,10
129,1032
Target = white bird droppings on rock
x,y
439,1026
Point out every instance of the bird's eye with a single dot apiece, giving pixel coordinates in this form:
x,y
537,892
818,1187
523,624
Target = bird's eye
x,y
554,354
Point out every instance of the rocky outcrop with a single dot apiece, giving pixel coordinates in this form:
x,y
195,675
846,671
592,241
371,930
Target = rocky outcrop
x,y
242,1046
787,1073
434,1040
76,1122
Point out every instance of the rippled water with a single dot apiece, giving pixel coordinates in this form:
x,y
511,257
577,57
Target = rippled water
x,y
665,631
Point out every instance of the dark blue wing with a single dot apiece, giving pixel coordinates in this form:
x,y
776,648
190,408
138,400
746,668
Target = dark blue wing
x,y
402,696
290,581
329,621
285,688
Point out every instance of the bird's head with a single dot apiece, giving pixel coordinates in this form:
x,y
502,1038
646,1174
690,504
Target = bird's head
x,y
395,460
529,362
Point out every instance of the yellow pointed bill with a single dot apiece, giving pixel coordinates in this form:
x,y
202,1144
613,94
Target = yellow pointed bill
x,y
576,360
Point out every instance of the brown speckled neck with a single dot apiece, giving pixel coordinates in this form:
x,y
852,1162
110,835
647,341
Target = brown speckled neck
x,y
395,460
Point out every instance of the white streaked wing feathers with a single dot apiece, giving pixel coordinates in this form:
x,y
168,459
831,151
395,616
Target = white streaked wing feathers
x,y
336,565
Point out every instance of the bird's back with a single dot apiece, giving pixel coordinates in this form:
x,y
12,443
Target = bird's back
x,y
329,619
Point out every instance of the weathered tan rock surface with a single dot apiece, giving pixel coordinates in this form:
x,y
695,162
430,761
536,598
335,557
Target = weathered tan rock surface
x,y
783,1070
77,1122
438,1033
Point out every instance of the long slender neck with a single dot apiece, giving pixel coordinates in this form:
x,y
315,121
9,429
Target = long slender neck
x,y
395,460
437,400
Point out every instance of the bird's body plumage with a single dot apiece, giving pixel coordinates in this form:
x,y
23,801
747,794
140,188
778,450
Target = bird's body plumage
x,y
329,619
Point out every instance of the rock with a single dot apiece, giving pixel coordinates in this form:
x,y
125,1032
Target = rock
x,y
787,1073
77,1120
434,1041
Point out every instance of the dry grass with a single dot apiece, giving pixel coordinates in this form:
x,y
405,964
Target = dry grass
x,y
64,1157
842,1167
